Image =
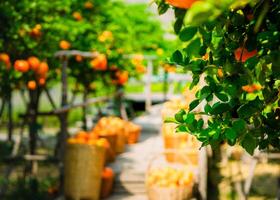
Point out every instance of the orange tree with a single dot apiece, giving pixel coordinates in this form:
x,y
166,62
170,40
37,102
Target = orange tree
x,y
33,31
234,46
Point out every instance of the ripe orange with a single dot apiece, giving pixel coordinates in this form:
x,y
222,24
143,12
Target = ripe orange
x,y
6,59
181,3
102,142
99,63
107,172
77,16
205,57
33,62
78,58
246,54
43,69
63,44
220,73
140,68
21,65
82,134
42,81
88,5
256,87
36,31
31,85
122,77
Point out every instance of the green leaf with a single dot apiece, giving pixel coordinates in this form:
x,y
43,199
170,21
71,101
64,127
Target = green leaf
x,y
162,7
201,12
230,134
239,125
194,81
205,92
170,120
249,143
181,128
200,123
209,98
222,96
179,116
177,57
219,108
189,118
207,108
178,25
246,110
193,48
193,104
187,33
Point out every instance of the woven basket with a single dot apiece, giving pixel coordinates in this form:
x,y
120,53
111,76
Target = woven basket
x,y
121,141
83,169
156,192
110,152
172,193
133,136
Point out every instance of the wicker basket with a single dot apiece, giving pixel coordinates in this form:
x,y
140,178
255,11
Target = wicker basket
x,y
121,140
168,192
110,152
132,133
83,169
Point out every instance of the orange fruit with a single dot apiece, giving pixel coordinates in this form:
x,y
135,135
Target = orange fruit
x,y
81,140
33,62
122,77
36,31
99,63
220,73
21,65
77,16
88,5
82,134
251,88
43,69
245,55
248,88
102,142
140,68
42,81
181,3
169,68
31,85
205,57
78,58
107,172
6,59
63,44
256,87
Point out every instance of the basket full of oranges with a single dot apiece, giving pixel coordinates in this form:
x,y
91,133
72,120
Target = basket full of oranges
x,y
84,163
167,181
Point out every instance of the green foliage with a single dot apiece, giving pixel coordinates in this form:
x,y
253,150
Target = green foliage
x,y
241,92
131,25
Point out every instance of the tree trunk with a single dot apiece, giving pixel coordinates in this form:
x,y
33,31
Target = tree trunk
x,y
10,117
214,176
34,96
85,110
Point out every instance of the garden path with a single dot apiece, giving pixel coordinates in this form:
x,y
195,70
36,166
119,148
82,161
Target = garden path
x,y
130,167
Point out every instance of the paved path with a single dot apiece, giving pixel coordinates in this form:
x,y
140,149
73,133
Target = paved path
x,y
131,166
